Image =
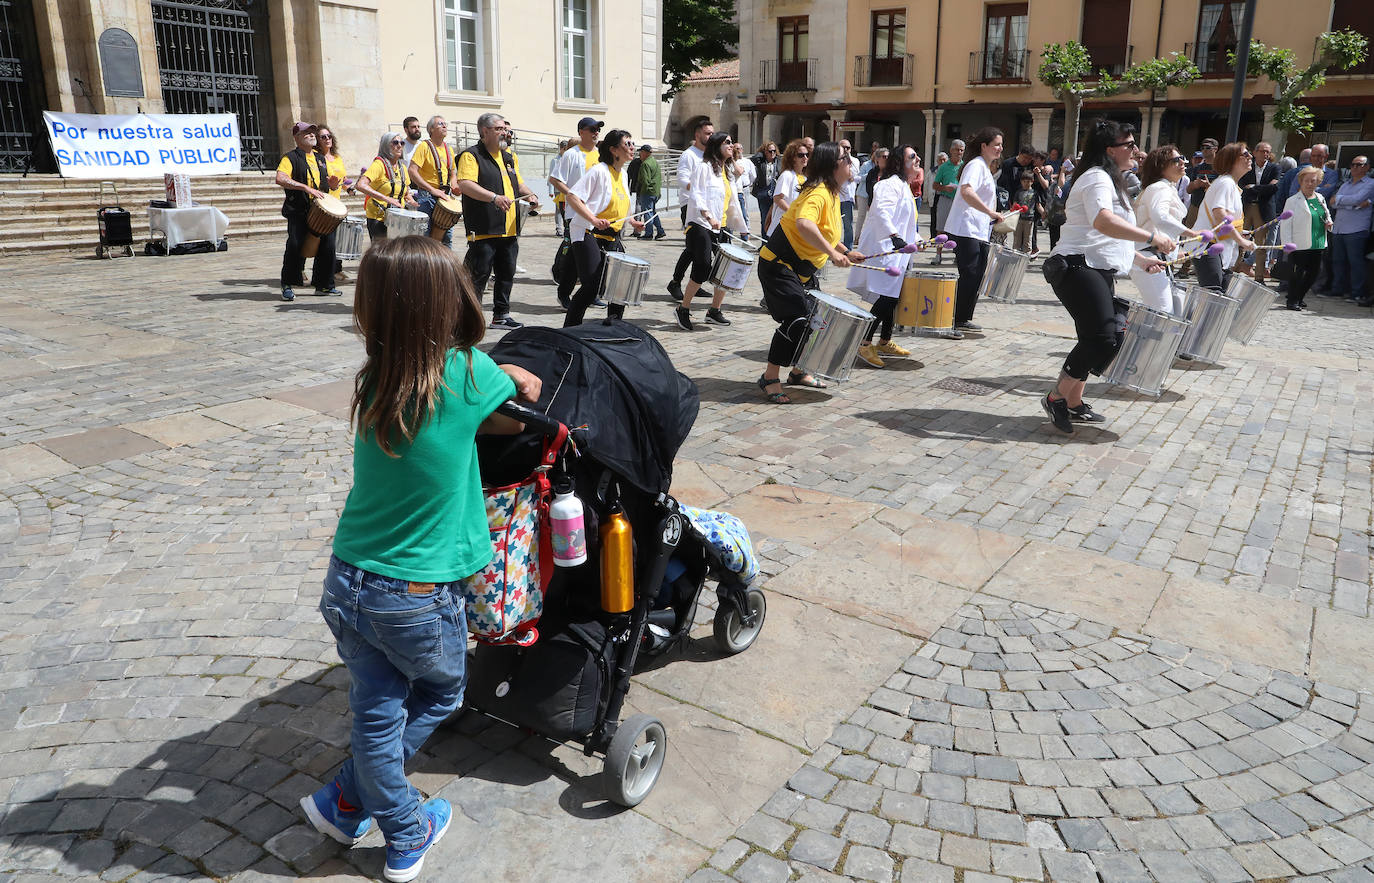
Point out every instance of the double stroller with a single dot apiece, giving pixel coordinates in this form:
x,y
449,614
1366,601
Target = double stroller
x,y
627,411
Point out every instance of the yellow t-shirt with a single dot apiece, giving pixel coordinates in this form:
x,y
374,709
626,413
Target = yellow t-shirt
x,y
619,206
337,168
435,173
467,171
312,171
821,207
729,195
387,186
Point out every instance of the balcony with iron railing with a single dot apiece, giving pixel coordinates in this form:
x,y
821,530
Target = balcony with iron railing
x,y
999,66
1212,59
787,76
879,71
1113,59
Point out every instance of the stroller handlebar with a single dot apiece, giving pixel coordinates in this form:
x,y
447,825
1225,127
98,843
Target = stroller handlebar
x,y
545,425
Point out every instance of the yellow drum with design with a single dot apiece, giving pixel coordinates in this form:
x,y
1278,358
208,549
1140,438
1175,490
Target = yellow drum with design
x,y
927,302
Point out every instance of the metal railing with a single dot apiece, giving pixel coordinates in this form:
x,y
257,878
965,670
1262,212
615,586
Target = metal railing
x,y
999,66
788,76
883,70
1113,59
1211,58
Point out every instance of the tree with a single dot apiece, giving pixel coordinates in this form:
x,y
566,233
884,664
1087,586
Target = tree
x,y
695,33
1068,70
1340,49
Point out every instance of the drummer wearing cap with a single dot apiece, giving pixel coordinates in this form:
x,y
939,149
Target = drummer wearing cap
x,y
303,175
575,162
489,179
806,237
432,170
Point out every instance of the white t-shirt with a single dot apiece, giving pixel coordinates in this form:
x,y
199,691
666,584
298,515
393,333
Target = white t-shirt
x,y
787,186
964,220
848,190
1092,192
1223,196
686,167
409,149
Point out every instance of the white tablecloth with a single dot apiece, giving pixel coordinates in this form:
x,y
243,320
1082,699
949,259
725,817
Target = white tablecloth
x,y
201,223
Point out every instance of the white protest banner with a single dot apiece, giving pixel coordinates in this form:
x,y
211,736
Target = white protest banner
x,y
144,145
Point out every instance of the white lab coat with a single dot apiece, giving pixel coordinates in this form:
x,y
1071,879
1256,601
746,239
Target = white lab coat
x,y
891,212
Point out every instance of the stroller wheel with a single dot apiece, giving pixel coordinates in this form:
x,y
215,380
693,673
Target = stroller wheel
x,y
732,634
634,759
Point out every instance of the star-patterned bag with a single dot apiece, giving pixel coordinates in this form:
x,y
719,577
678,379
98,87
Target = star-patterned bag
x,y
505,599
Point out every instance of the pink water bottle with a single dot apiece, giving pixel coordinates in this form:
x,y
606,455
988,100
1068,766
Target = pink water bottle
x,y
569,532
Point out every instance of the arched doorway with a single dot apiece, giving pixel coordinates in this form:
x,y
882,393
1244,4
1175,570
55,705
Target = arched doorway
x,y
214,56
22,145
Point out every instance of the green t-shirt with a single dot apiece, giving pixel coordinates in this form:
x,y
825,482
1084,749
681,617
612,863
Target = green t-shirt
x,y
421,516
947,173
1318,223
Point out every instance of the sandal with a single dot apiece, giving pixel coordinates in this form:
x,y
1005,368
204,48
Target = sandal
x,y
799,378
777,398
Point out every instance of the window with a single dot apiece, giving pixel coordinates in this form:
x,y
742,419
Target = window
x,y
1004,42
793,47
1104,34
577,43
888,47
1217,27
463,45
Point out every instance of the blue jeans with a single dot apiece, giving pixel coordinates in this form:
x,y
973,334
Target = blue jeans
x,y
765,203
847,216
743,211
405,646
649,204
426,201
1347,263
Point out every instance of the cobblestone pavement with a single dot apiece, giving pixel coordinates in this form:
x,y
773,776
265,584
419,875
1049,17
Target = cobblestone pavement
x,y
992,652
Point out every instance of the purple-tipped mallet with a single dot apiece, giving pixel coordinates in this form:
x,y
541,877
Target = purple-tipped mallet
x,y
1285,214
1207,235
909,248
1290,247
1226,229
1216,248
893,271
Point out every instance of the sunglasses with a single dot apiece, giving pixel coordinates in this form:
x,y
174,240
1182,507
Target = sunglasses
x,y
799,153
399,141
326,136
1130,143
1359,163
1178,160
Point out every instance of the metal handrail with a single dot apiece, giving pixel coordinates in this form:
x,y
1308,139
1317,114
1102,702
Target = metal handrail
x,y
869,71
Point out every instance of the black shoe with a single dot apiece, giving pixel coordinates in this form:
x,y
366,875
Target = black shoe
x,y
968,326
660,236
506,322
1058,411
565,302
1084,413
675,289
1367,302
287,294
684,318
328,292
1297,308
716,317
1303,304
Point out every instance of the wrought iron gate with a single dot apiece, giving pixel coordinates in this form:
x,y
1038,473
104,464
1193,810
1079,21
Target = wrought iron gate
x,y
21,89
213,56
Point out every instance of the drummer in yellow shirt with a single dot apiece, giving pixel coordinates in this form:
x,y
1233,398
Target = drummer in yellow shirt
x,y
432,170
386,184
808,235
599,205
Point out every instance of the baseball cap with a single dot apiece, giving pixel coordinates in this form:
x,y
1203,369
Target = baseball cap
x,y
1197,154
1210,142
644,148
302,127
589,123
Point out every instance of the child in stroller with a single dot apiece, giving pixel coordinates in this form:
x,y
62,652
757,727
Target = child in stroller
x,y
628,411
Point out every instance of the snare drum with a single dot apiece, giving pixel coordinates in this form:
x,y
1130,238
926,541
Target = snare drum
x,y
1002,279
326,213
837,329
732,267
405,222
1253,300
927,302
348,243
446,213
1210,314
623,279
1148,350
522,208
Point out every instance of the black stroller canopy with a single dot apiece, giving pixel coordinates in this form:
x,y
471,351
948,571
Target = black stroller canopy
x,y
617,380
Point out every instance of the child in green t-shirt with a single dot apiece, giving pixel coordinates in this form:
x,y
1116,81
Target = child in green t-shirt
x,y
413,525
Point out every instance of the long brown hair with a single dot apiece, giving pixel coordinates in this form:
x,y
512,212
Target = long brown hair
x,y
413,303
1156,163
789,156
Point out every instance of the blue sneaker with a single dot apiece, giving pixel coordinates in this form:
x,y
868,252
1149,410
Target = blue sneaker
x,y
403,865
322,808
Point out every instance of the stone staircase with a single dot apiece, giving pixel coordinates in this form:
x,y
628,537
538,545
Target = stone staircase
x,y
50,213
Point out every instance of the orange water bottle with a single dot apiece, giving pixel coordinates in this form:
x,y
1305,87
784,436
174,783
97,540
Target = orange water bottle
x,y
617,562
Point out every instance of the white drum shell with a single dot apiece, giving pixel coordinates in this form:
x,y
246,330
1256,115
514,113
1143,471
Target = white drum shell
x,y
405,222
350,238
732,267
1147,351
1002,279
1253,300
837,329
1210,314
623,278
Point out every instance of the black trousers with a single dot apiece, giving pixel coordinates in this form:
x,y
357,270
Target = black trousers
x,y
1210,273
1098,317
884,314
487,255
589,255
785,297
971,257
1307,264
293,262
375,229
700,252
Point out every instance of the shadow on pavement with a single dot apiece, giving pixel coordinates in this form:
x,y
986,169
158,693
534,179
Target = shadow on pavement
x,y
948,423
257,294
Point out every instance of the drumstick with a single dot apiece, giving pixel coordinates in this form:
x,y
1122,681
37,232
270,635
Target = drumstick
x,y
1282,216
1287,247
891,271
1214,248
1226,219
